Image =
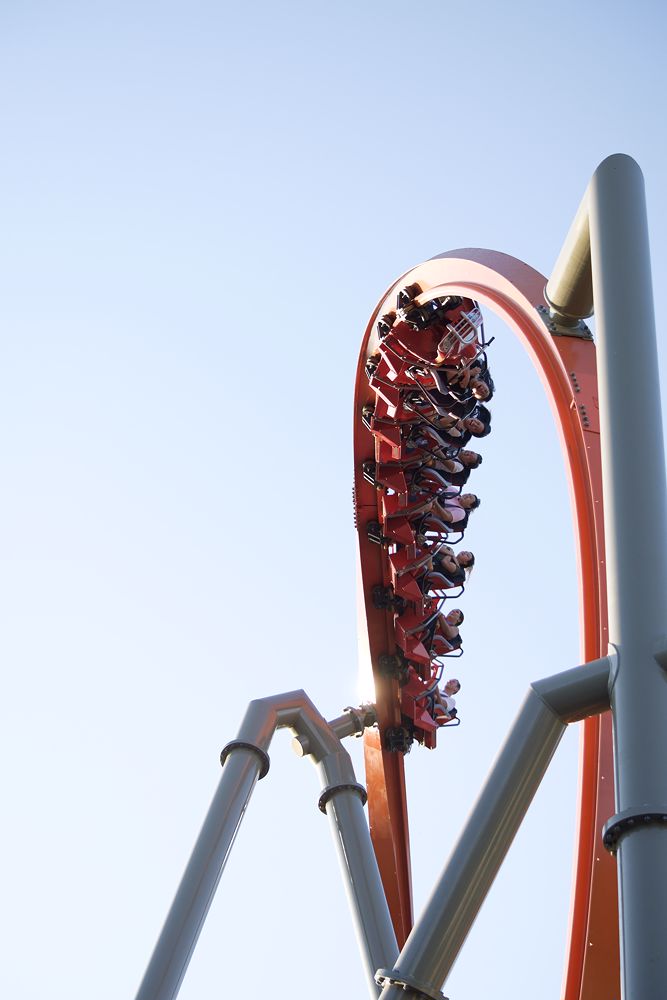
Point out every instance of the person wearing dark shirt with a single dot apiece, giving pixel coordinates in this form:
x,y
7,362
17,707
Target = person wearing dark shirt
x,y
458,469
453,567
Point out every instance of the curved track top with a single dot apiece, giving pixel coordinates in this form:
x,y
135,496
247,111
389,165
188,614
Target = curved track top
x,y
567,368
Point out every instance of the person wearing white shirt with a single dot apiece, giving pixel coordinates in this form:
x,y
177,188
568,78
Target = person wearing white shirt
x,y
444,699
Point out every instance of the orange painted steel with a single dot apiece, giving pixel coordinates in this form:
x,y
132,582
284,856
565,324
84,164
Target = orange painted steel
x,y
567,368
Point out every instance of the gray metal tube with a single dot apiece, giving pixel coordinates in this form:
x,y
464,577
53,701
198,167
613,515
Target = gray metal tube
x,y
569,290
578,693
633,467
373,926
437,937
351,723
342,800
245,761
182,927
179,935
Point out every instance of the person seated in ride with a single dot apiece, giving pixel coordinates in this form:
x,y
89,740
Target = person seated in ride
x,y
454,567
430,532
444,703
448,626
477,425
427,481
453,431
456,378
464,404
456,432
455,511
423,439
457,471
484,387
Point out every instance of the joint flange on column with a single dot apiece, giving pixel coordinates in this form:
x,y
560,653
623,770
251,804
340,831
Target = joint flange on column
x,y
559,327
243,745
353,722
392,977
361,718
630,819
331,790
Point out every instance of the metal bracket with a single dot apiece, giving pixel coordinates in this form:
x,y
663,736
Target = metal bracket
x,y
579,330
630,819
392,977
331,790
242,745
362,717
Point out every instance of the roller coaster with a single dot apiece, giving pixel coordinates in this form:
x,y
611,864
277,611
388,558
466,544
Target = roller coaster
x,y
423,393
400,383
429,378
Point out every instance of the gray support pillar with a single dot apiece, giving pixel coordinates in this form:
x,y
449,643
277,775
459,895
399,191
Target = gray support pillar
x,y
569,290
245,760
437,937
343,802
633,468
188,911
368,904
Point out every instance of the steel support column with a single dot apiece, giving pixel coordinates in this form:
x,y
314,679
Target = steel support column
x,y
184,922
245,760
635,508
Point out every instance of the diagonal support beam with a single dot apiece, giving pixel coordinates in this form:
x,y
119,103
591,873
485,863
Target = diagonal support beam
x,y
437,937
245,760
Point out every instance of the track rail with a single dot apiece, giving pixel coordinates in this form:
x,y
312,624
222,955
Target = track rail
x,y
567,367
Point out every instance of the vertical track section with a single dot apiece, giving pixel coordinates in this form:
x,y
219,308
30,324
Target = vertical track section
x,y
566,363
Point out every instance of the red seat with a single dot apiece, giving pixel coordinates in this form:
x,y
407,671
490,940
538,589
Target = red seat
x,y
400,504
391,476
413,648
406,561
406,586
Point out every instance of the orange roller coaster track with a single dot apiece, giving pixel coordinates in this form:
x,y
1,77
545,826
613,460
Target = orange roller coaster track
x,y
565,360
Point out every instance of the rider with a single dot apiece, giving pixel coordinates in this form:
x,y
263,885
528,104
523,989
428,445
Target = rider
x,y
445,699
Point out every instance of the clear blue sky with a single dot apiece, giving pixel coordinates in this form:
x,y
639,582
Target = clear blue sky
x,y
200,205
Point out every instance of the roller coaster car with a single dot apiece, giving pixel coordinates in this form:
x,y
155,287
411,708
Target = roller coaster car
x,y
405,412
415,620
397,530
414,630
446,333
407,295
403,489
414,588
407,588
461,338
385,323
406,505
409,559
419,712
432,530
423,401
413,649
427,579
429,439
442,646
438,584
390,477
432,311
